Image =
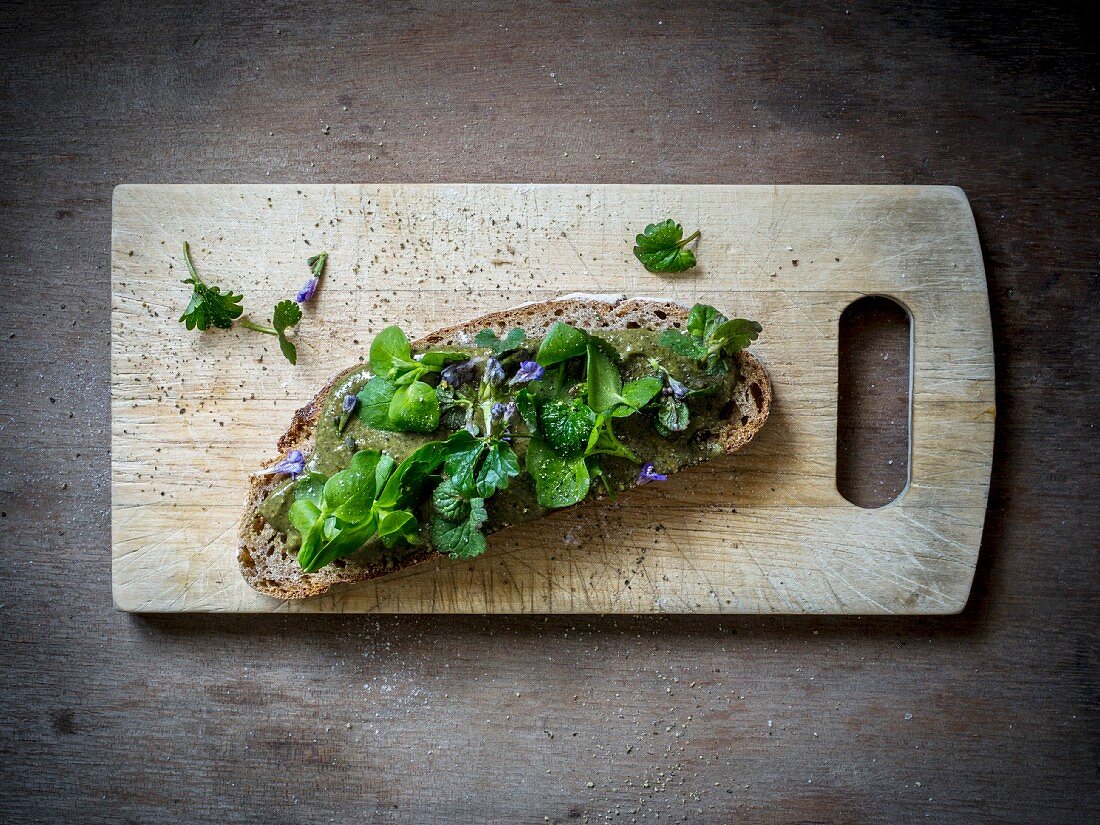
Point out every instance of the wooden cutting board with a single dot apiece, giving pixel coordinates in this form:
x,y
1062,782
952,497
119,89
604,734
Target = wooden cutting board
x,y
764,531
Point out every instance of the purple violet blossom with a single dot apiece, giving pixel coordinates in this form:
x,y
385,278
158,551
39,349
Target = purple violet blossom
x,y
293,465
503,412
493,374
528,371
648,474
308,290
458,374
350,403
676,389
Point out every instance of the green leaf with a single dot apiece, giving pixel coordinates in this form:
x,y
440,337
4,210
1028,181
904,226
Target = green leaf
x,y
400,523
435,360
604,382
558,482
527,406
390,353
209,306
673,415
462,539
450,502
682,344
286,315
640,392
499,346
374,402
304,515
404,487
309,487
464,451
349,494
343,543
660,247
561,343
703,320
310,548
499,466
565,426
414,409
733,336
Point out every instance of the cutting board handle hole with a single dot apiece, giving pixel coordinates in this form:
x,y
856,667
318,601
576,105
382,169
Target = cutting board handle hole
x,y
874,401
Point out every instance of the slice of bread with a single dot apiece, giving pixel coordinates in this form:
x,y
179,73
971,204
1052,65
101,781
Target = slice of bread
x,y
271,569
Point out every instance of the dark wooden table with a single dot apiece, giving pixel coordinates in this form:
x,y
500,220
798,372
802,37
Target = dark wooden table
x,y
991,715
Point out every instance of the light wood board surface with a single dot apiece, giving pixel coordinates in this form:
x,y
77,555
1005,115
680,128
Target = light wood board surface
x,y
764,531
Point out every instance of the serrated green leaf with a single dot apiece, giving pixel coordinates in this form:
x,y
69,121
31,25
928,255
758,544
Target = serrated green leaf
x,y
660,248
462,539
500,465
565,426
673,415
450,502
733,336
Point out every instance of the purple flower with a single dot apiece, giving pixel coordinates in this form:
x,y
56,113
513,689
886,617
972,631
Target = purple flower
x,y
528,371
676,389
350,403
647,475
308,290
458,374
493,374
503,412
293,464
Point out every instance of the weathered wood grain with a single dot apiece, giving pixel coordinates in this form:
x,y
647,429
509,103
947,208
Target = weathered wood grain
x,y
426,256
110,717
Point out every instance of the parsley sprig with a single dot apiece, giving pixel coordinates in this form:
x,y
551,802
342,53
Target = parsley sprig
x,y
210,307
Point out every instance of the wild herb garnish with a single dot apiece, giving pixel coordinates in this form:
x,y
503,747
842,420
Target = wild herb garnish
x,y
210,307
661,247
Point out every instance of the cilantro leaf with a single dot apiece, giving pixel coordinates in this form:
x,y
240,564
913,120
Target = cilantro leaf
x,y
733,336
513,340
209,306
462,539
661,247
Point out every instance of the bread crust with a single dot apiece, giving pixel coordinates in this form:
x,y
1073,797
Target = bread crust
x,y
270,569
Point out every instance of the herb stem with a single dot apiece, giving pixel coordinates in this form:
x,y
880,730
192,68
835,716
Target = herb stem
x,y
244,322
190,265
688,239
